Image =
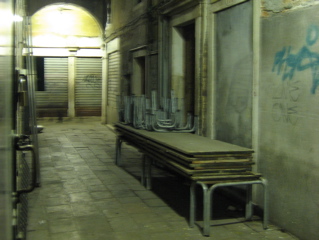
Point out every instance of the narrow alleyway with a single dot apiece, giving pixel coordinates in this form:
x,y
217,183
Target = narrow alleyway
x,y
84,196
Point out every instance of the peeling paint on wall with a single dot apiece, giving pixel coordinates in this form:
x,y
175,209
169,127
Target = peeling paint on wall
x,y
274,5
277,6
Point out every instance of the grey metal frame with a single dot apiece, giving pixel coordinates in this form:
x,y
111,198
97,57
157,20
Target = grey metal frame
x,y
118,150
208,191
146,176
31,99
208,201
144,113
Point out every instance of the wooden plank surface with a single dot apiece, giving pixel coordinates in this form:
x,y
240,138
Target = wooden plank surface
x,y
236,161
141,142
186,143
192,156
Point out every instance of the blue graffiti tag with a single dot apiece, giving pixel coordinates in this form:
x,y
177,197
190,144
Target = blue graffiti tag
x,y
287,63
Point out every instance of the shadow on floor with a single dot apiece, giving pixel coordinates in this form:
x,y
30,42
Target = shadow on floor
x,y
174,191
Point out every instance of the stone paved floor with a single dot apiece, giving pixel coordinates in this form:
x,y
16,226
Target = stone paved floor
x,y
84,196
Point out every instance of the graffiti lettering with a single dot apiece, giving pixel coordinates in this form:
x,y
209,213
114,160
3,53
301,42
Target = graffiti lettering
x,y
285,112
286,63
289,91
285,102
92,81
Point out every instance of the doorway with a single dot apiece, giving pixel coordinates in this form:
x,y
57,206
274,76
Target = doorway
x,y
183,66
189,66
234,74
138,87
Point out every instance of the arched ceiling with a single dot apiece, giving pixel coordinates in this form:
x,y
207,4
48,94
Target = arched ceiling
x,y
65,25
96,7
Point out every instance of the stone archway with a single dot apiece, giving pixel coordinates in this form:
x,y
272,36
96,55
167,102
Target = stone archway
x,y
66,35
66,26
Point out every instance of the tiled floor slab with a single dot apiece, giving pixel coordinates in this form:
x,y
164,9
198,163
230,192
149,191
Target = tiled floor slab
x,y
84,196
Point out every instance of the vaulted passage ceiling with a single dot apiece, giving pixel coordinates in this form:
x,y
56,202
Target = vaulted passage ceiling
x,y
65,25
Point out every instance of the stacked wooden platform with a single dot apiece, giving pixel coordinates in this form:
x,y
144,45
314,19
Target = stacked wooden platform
x,y
195,157
207,163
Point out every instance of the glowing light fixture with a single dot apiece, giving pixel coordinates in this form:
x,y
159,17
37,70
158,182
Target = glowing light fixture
x,y
17,18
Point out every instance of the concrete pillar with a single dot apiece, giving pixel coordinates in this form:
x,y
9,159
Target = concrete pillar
x,y
104,87
71,86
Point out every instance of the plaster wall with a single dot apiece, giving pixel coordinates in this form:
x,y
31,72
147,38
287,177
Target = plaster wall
x,y
133,44
234,74
136,27
124,13
289,114
277,6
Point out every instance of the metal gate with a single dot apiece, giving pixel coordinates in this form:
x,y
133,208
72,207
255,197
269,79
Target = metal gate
x,y
88,87
53,101
6,148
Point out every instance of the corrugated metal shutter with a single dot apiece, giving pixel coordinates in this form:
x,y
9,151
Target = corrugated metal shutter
x,y
88,87
55,95
113,78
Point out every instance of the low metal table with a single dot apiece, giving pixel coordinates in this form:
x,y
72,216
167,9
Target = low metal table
x,y
208,163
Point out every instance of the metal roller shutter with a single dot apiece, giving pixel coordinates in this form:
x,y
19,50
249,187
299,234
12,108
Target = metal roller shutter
x,y
113,78
88,87
54,100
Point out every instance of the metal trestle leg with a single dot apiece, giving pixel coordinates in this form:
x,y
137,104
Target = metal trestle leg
x,y
208,201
